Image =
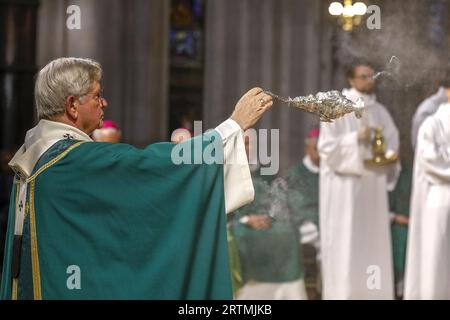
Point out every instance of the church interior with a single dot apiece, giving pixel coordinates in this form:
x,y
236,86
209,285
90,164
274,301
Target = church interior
x,y
168,63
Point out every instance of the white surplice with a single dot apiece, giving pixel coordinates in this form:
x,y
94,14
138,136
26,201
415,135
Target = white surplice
x,y
354,215
428,255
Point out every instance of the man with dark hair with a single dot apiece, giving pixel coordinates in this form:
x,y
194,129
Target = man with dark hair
x,y
351,68
353,201
430,105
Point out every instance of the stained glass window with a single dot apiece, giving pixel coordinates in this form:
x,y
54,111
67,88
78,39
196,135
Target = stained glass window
x,y
185,36
186,40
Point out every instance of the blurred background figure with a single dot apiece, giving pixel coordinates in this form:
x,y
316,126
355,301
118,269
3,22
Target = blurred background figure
x,y
110,132
180,135
237,281
399,201
187,122
430,105
268,242
428,256
185,129
354,206
303,182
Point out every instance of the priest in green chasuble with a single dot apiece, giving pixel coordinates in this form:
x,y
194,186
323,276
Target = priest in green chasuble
x,y
93,220
268,242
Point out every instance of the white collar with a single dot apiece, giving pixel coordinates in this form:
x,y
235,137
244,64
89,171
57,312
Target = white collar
x,y
310,165
38,140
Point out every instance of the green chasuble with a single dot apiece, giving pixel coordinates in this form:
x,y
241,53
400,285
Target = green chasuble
x,y
108,221
235,265
399,200
274,254
304,194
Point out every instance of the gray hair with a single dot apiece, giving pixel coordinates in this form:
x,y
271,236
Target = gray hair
x,y
61,78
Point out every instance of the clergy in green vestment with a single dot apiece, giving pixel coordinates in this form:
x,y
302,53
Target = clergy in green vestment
x,y
237,281
399,202
303,199
268,243
91,220
303,181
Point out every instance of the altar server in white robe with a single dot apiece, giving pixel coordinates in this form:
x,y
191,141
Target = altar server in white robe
x,y
353,206
428,255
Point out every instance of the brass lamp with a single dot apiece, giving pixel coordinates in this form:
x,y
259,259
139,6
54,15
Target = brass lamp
x,y
349,14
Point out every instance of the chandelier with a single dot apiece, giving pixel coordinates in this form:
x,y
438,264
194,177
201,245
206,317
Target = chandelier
x,y
349,14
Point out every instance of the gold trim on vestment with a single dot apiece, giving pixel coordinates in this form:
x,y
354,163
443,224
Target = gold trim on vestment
x,y
37,292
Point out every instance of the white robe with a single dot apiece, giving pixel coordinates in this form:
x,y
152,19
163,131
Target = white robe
x,y
291,290
353,207
428,255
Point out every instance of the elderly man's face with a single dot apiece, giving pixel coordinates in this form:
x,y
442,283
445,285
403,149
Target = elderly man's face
x,y
90,110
